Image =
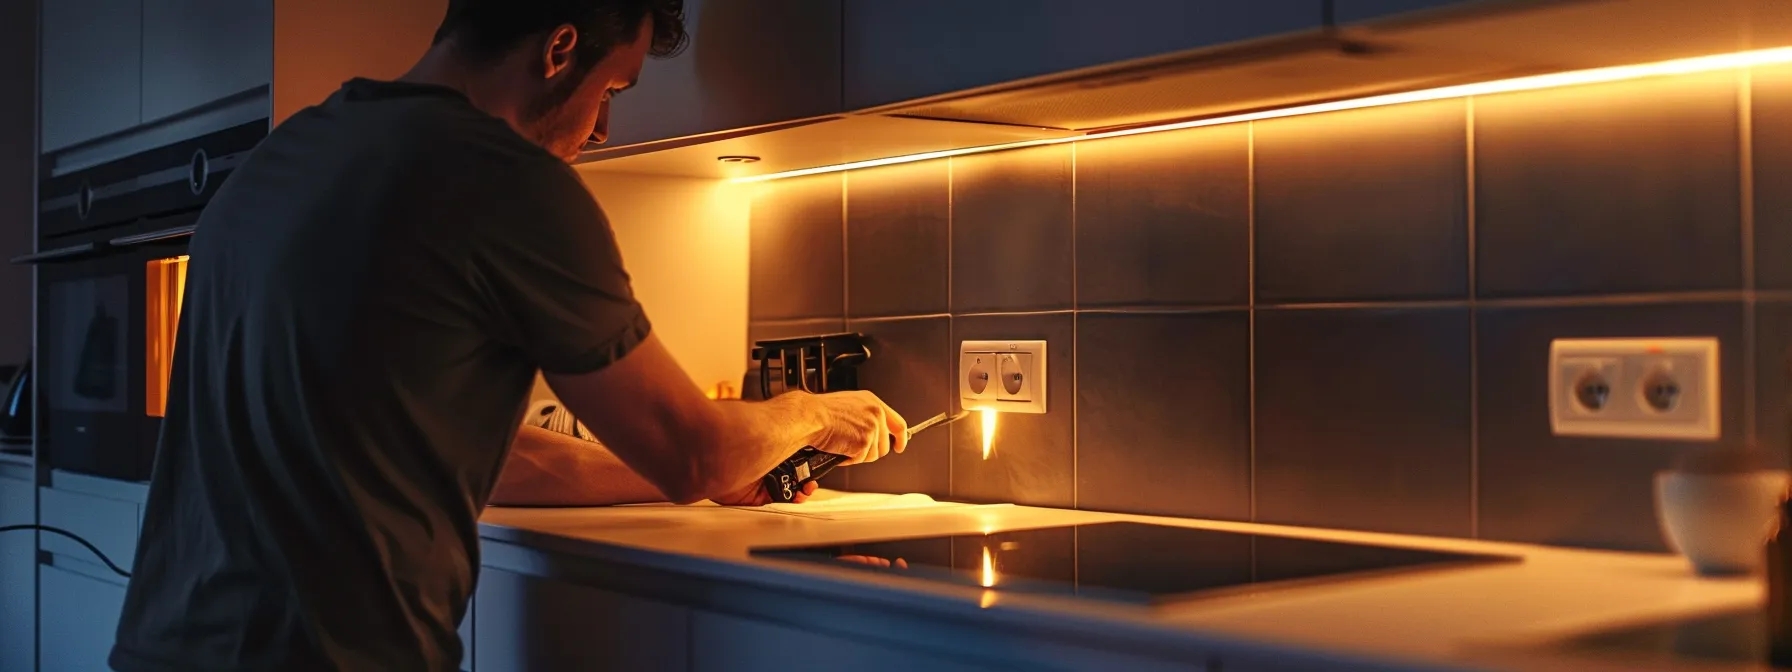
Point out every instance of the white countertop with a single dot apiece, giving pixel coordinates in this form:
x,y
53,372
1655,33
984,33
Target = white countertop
x,y
1496,616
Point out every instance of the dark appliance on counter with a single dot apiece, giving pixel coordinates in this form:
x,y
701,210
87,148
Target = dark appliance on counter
x,y
15,411
1132,563
815,364
112,264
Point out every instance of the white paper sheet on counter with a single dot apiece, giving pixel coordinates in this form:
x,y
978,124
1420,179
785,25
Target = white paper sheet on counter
x,y
835,505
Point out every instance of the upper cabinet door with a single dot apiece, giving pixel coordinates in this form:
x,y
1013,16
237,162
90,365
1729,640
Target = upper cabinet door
x,y
200,51
1352,11
92,58
899,50
748,64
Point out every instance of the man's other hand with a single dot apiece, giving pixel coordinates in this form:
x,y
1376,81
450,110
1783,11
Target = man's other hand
x,y
755,495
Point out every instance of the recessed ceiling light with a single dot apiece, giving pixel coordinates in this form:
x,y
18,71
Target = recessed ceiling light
x,y
738,159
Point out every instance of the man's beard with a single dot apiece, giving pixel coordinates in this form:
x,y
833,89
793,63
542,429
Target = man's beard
x,y
547,116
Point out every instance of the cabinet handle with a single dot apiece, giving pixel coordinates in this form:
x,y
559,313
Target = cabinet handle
x,y
154,236
59,254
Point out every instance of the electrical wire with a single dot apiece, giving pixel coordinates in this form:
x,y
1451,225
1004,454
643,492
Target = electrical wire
x,y
57,530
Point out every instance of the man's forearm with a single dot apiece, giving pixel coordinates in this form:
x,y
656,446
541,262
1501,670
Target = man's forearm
x,y
760,435
548,468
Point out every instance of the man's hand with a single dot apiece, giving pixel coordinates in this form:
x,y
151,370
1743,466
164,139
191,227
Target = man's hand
x,y
859,426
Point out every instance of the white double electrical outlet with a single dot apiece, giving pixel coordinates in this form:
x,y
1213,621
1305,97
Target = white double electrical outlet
x,y
1635,388
1005,376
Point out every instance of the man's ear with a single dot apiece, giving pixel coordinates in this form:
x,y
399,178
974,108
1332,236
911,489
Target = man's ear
x,y
557,53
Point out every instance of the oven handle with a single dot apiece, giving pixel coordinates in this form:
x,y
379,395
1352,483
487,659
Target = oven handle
x,y
61,254
154,236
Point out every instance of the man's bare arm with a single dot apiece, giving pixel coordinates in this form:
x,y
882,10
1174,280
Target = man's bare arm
x,y
651,416
547,468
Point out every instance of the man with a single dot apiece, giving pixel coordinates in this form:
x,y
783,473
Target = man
x,y
369,300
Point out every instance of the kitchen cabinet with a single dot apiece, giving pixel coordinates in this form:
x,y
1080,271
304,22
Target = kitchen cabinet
x,y
897,50
92,69
723,643
201,51
1352,11
466,637
77,619
527,623
18,570
748,64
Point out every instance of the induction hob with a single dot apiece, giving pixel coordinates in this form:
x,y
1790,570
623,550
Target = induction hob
x,y
1134,563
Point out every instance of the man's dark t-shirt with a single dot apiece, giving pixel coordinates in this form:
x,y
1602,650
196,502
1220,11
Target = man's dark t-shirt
x,y
369,298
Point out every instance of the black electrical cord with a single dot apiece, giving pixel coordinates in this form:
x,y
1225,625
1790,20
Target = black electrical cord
x,y
57,530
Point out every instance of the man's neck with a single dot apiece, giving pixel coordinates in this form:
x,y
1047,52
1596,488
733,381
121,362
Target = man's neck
x,y
490,92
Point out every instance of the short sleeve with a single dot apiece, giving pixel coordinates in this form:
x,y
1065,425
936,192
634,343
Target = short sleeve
x,y
558,289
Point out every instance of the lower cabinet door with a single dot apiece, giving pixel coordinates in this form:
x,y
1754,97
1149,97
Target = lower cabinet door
x,y
18,576
527,624
77,620
721,643
466,637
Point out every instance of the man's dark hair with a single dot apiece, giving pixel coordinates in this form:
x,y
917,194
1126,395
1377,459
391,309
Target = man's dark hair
x,y
484,31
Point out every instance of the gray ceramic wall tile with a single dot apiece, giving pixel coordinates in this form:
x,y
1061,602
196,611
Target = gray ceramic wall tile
x,y
1772,95
1011,231
1773,381
1163,414
1626,187
897,236
910,370
1033,457
1365,204
797,250
1164,219
1540,488
1363,419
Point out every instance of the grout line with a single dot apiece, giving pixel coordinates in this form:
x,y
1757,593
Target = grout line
x,y
1075,358
951,326
1750,340
1250,152
1017,313
1160,310
899,318
845,248
1771,295
1472,221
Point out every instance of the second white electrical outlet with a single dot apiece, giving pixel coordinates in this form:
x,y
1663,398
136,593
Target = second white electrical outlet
x,y
1638,388
1005,376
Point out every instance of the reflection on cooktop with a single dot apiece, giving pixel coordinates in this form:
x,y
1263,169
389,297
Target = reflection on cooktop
x,y
1134,563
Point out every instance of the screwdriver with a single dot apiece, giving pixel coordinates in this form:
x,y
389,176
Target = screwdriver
x,y
809,464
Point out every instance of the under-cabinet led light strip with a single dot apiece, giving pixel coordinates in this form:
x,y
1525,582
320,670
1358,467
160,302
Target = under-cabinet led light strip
x,y
1680,66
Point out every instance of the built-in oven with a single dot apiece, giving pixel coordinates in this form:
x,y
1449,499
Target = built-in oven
x,y
112,260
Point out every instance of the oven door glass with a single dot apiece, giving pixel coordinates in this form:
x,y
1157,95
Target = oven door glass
x,y
107,329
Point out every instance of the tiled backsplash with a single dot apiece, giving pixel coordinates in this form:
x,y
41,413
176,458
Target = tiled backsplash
x,y
1339,320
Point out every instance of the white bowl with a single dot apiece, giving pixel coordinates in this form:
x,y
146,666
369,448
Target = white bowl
x,y
1720,522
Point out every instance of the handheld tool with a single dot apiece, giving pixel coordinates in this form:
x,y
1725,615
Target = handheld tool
x,y
810,464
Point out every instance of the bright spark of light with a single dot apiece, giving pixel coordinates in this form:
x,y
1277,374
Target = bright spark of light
x,y
989,430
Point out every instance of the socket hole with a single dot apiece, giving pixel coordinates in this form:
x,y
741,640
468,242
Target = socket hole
x,y
1593,391
1661,392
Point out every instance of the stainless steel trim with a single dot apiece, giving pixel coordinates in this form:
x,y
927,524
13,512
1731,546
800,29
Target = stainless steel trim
x,y
58,253
153,236
182,173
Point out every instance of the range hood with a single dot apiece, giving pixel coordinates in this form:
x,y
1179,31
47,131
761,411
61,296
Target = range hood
x,y
1459,44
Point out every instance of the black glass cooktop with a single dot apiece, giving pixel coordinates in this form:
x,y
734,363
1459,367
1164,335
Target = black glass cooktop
x,y
1126,562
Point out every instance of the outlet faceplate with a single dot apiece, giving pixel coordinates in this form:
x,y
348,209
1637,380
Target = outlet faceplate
x,y
1004,376
1635,388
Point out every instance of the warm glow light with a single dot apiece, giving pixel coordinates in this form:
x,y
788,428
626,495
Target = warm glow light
x,y
989,569
1682,66
989,430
